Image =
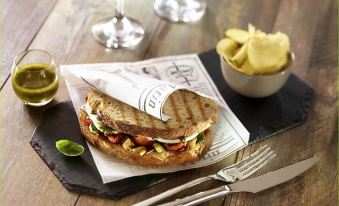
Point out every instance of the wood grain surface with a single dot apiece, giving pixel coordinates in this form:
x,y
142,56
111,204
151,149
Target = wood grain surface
x,y
63,28
21,21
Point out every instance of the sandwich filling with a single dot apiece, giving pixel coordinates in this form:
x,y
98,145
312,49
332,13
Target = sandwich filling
x,y
141,144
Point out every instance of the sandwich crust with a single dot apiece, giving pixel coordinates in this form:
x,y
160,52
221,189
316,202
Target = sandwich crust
x,y
165,158
189,113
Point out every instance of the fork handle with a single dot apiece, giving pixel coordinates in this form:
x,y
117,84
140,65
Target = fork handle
x,y
200,197
173,191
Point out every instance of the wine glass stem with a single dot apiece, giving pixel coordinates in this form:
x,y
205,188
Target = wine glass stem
x,y
119,9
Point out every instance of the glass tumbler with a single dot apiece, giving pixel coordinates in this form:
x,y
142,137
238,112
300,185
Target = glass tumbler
x,y
35,77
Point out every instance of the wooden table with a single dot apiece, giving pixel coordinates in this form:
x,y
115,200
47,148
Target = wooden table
x,y
62,27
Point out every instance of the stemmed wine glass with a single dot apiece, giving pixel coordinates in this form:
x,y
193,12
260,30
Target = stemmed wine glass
x,y
118,31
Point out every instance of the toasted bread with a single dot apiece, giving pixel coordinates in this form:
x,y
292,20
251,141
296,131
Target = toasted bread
x,y
189,113
165,158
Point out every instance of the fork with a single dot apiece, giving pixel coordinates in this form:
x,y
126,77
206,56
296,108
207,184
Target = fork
x,y
238,171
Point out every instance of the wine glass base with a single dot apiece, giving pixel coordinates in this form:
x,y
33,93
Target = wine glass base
x,y
37,104
188,11
118,33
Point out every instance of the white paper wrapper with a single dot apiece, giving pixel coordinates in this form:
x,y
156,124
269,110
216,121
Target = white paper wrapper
x,y
146,85
143,93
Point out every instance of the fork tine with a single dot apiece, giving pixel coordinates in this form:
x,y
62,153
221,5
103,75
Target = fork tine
x,y
246,159
250,157
259,150
255,167
255,159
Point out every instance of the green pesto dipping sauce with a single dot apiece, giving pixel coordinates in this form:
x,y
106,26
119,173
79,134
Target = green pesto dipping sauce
x,y
35,83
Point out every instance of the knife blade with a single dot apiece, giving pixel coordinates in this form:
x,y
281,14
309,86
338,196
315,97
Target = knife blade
x,y
271,179
252,185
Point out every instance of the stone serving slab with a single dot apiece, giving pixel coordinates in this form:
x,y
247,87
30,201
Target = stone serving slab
x,y
262,117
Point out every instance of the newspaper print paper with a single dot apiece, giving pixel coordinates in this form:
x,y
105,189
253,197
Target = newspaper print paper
x,y
182,71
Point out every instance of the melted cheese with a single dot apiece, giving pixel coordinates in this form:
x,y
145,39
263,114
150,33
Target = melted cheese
x,y
98,124
173,141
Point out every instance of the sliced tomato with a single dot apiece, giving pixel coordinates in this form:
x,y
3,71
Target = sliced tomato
x,y
87,122
142,140
174,147
115,138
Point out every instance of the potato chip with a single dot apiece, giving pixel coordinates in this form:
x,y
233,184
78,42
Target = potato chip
x,y
251,28
265,51
240,57
226,47
236,51
238,35
247,68
260,33
231,64
282,62
253,51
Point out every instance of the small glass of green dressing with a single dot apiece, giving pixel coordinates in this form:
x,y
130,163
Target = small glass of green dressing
x,y
35,77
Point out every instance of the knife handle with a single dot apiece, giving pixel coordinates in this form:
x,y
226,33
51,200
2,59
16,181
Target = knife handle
x,y
200,197
173,191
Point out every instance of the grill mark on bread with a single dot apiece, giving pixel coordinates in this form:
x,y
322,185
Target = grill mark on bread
x,y
149,126
151,120
174,107
136,115
188,109
202,111
121,109
165,110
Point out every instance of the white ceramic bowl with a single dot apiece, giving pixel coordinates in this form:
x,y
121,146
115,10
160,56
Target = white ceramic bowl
x,y
255,86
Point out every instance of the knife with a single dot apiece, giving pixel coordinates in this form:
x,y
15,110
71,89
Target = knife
x,y
252,185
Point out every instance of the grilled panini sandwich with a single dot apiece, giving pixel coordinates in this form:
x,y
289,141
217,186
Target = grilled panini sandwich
x,y
133,135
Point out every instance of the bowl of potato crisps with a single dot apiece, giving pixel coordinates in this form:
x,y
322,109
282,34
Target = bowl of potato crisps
x,y
253,63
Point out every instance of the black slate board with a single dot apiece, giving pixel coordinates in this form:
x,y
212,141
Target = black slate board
x,y
80,174
262,117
